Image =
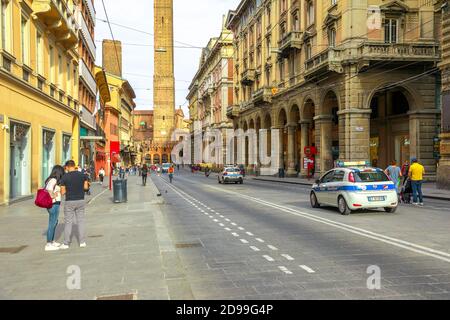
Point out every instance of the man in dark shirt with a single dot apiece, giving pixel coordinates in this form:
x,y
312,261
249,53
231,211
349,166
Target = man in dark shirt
x,y
73,186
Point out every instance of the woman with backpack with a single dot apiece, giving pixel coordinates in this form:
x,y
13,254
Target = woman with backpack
x,y
52,185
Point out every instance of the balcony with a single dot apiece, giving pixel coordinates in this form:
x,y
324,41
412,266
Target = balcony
x,y
291,40
90,5
327,60
87,77
248,77
59,20
86,34
263,95
233,111
399,51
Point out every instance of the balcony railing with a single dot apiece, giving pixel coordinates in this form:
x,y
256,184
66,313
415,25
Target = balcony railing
x,y
291,40
86,33
399,51
233,111
87,76
262,95
59,19
248,76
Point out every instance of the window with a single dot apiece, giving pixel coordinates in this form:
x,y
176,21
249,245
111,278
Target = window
x,y
68,78
390,31
338,176
25,40
333,2
269,16
332,38
5,21
295,22
281,66
52,64
60,69
308,52
39,54
327,177
268,46
310,12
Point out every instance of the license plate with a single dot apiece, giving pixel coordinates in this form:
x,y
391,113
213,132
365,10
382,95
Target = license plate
x,y
376,198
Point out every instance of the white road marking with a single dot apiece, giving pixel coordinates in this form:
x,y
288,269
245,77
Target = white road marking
x,y
243,241
227,219
215,220
221,216
254,248
268,258
235,234
250,234
288,257
234,224
228,229
260,240
444,256
285,270
240,228
221,224
95,198
272,247
307,269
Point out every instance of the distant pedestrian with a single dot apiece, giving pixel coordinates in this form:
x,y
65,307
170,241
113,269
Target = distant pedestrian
x,y
73,186
101,175
122,173
405,170
394,174
144,173
171,171
52,185
416,172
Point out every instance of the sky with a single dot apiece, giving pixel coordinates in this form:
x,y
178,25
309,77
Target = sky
x,y
195,22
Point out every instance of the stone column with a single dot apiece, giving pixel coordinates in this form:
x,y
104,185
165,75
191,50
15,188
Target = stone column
x,y
279,152
325,155
304,143
291,149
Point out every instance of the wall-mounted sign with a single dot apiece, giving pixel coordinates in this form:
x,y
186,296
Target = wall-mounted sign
x,y
359,129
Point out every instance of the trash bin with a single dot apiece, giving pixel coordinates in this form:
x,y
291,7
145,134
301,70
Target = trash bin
x,y
120,190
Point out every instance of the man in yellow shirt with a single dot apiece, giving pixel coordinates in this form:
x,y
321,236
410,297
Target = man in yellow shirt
x,y
415,173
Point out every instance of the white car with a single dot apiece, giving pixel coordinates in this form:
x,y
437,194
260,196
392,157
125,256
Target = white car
x,y
230,174
353,188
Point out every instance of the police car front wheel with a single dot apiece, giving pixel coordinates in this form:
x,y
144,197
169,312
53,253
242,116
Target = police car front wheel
x,y
313,199
343,207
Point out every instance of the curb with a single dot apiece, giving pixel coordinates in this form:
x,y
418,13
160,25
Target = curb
x,y
310,184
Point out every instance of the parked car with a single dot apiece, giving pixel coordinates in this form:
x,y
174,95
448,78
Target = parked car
x,y
230,174
353,187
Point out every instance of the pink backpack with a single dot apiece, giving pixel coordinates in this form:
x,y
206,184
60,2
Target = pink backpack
x,y
43,199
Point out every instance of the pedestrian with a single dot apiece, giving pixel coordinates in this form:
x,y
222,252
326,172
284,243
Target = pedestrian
x,y
101,175
171,171
405,170
394,173
144,173
52,185
121,173
415,173
73,186
178,167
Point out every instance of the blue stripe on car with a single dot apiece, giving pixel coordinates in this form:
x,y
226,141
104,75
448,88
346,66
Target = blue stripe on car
x,y
357,188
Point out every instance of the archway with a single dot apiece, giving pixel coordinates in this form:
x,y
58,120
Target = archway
x,y
294,138
165,158
246,145
156,159
389,127
329,132
282,122
308,137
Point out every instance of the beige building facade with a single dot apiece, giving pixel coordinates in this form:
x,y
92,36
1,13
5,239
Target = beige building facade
x,y
211,89
356,80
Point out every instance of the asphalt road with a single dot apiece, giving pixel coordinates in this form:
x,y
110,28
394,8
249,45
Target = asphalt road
x,y
262,240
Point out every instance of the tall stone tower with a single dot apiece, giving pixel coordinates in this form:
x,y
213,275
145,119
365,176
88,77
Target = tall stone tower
x,y
163,78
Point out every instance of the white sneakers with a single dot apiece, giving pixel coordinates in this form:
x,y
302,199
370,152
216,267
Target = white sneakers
x,y
51,247
64,246
83,245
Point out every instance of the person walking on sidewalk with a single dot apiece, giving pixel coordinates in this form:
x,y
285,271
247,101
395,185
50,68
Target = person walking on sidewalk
x,y
144,173
101,175
394,173
415,173
171,171
73,186
52,185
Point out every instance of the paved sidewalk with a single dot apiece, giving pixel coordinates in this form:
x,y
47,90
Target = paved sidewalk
x,y
125,254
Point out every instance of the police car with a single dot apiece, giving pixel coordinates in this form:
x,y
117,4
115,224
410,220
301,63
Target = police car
x,y
353,186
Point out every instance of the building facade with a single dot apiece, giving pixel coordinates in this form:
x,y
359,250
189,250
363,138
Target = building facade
x,y
354,80
39,109
143,135
443,172
211,90
87,85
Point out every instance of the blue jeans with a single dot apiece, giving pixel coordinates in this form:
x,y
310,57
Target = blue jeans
x,y
53,215
417,189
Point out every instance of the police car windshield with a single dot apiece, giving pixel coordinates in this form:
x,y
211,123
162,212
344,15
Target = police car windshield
x,y
370,176
232,170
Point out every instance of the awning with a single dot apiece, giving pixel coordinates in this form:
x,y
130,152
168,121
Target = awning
x,y
92,138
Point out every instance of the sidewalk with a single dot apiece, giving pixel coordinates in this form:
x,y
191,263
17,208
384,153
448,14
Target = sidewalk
x,y
124,258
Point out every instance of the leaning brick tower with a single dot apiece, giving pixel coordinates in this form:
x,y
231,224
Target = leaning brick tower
x,y
163,78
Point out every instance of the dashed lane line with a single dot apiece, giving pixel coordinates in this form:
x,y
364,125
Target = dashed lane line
x,y
272,248
268,258
307,269
254,248
288,257
243,241
285,270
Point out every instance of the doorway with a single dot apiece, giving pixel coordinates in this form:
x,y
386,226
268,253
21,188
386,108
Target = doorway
x,y
20,167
